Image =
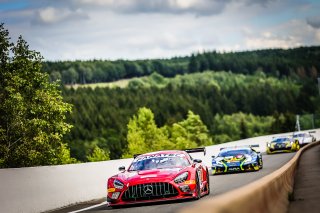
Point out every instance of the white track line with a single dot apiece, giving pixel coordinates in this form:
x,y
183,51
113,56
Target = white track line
x,y
90,207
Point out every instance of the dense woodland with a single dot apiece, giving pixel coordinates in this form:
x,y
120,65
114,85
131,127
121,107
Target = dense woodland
x,y
303,61
232,106
236,94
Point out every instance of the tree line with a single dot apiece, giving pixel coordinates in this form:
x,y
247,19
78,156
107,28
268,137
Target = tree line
x,y
302,61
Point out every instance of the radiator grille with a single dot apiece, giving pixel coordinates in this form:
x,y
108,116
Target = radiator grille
x,y
149,191
279,148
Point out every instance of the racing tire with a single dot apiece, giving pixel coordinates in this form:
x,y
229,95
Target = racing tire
x,y
208,183
260,163
297,146
268,151
198,189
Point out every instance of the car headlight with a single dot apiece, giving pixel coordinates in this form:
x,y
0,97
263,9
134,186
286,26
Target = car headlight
x,y
181,178
118,184
268,145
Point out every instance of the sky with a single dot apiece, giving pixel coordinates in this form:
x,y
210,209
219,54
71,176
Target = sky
x,y
145,29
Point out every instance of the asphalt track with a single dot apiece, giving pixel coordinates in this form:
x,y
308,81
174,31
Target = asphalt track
x,y
218,184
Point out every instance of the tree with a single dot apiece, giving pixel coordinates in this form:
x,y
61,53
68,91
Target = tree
x,y
244,129
193,64
144,135
55,76
70,76
180,137
98,155
32,111
193,130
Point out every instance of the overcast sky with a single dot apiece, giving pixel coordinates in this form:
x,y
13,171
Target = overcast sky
x,y
136,29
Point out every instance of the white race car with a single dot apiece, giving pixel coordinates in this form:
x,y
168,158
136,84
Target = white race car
x,y
303,138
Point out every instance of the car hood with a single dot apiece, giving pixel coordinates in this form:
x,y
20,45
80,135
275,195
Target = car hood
x,y
232,159
136,176
283,142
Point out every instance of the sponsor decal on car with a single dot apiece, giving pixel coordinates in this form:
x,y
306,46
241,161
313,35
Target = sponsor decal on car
x,y
157,156
234,169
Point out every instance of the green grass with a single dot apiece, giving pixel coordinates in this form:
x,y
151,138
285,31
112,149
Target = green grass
x,y
121,83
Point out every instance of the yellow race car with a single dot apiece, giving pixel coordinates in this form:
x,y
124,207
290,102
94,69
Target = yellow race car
x,y
282,144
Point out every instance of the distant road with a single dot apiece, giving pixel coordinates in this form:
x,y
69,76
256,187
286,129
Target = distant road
x,y
219,184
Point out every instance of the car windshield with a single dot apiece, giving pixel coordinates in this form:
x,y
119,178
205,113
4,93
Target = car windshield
x,y
298,135
234,152
280,140
159,161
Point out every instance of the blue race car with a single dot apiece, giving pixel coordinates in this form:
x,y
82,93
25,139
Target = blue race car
x,y
237,159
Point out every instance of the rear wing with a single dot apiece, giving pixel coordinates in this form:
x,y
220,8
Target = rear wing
x,y
254,146
201,149
242,146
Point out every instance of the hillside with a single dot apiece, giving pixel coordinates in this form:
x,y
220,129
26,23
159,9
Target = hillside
x,y
236,95
303,61
232,106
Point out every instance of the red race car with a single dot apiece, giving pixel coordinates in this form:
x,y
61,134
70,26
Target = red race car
x,y
159,176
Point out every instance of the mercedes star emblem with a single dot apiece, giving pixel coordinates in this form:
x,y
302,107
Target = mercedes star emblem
x,y
147,189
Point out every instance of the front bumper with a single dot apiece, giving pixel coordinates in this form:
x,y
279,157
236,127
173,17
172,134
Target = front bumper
x,y
272,151
279,149
152,192
220,169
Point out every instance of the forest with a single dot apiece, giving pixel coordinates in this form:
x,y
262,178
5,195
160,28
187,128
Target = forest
x,y
235,94
303,61
232,106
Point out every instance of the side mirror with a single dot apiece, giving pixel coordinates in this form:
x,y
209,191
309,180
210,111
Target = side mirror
x,y
122,168
213,156
197,161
